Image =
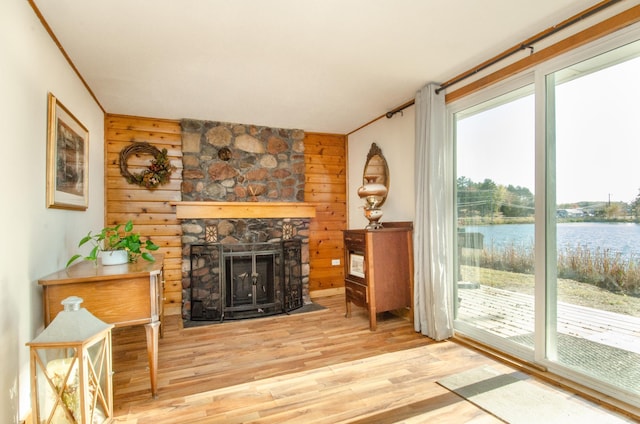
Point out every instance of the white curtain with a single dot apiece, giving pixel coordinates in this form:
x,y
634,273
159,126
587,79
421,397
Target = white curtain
x,y
434,216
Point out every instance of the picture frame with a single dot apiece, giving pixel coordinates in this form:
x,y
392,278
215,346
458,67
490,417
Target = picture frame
x,y
356,265
67,158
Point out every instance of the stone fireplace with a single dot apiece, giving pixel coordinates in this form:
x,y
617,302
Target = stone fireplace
x,y
243,188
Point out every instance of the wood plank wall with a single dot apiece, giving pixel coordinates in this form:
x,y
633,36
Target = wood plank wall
x,y
154,217
150,210
326,187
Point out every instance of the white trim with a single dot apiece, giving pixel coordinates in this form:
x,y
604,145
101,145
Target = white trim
x,y
501,88
595,48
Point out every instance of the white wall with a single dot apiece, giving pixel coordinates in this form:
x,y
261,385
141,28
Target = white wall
x,y
396,139
35,241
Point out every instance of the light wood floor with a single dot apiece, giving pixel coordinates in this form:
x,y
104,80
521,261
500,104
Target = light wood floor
x,y
314,367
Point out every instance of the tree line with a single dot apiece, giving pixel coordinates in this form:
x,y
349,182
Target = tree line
x,y
487,199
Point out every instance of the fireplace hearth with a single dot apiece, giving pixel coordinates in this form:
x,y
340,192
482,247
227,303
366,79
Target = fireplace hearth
x,y
246,280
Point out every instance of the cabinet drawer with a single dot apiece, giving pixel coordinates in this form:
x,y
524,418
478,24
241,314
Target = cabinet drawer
x,y
356,293
354,238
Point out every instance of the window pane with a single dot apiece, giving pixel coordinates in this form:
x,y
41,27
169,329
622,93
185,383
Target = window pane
x,y
495,207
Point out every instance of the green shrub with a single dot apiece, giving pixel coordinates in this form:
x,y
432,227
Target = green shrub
x,y
600,267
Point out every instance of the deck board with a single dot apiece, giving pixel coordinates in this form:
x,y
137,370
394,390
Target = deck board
x,y
508,314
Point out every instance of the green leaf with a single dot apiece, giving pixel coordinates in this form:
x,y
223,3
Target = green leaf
x,y
148,257
73,258
93,255
85,239
133,246
128,226
99,237
115,243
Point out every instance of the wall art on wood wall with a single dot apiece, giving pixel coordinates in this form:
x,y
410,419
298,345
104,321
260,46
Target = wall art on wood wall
x,y
67,159
157,173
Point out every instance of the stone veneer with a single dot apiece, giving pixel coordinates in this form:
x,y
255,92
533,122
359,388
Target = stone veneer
x,y
234,162
241,163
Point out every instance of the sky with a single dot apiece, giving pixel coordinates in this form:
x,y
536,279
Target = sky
x,y
597,144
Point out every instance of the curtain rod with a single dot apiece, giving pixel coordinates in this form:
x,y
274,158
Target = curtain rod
x,y
526,44
400,108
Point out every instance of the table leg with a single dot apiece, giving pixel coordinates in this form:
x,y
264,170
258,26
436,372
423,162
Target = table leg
x,y
373,322
151,331
348,308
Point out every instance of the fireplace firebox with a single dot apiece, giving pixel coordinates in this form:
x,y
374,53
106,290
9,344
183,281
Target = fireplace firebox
x,y
245,280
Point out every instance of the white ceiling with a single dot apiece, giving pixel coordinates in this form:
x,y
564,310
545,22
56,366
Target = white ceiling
x,y
318,65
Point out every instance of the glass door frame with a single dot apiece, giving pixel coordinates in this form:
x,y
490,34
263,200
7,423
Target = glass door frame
x,y
510,85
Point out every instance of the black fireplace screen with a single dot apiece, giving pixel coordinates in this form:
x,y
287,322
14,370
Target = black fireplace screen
x,y
235,281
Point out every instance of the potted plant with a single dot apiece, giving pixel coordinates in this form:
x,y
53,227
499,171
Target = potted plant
x,y
113,239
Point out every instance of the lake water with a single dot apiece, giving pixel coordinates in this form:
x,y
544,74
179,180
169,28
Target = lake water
x,y
617,237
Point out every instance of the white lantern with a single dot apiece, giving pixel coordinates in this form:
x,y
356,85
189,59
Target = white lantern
x,y
71,369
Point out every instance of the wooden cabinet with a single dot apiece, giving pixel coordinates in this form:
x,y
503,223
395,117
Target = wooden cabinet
x,y
129,294
379,269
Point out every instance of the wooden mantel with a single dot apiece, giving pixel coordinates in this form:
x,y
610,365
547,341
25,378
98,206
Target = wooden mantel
x,y
201,210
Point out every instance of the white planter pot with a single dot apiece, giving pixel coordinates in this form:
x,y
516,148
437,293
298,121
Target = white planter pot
x,y
114,257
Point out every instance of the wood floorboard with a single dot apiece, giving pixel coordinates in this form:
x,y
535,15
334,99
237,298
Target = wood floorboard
x,y
317,367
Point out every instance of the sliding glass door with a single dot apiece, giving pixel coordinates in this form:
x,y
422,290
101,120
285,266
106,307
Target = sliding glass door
x,y
593,303
548,216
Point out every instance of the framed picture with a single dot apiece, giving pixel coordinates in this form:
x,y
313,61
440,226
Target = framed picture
x,y
356,265
67,159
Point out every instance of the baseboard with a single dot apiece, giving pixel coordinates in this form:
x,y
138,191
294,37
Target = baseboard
x,y
404,313
326,292
172,309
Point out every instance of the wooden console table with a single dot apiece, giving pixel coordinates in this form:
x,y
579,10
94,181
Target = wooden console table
x,y
123,295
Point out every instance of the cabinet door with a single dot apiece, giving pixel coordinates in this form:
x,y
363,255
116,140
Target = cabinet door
x,y
390,269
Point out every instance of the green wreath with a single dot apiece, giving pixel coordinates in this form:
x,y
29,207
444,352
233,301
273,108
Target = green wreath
x,y
157,173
